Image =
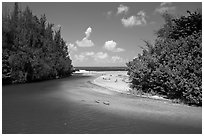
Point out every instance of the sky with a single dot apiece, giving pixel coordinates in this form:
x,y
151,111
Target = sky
x,y
106,33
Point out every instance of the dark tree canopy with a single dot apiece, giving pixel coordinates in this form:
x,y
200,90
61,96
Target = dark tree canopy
x,y
31,49
173,65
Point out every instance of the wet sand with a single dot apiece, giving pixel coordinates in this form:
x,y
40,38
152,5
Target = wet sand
x,y
75,105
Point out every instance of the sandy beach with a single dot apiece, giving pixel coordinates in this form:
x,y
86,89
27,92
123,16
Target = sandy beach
x,y
119,81
115,81
81,104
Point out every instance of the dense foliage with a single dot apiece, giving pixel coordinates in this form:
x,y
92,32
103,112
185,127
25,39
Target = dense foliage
x,y
31,49
173,65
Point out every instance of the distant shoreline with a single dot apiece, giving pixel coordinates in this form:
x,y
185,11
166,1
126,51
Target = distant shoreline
x,y
102,68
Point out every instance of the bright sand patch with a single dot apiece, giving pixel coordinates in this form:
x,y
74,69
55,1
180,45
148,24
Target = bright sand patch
x,y
114,80
119,81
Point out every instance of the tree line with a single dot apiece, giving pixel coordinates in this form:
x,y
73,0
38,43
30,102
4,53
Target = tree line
x,y
172,66
32,50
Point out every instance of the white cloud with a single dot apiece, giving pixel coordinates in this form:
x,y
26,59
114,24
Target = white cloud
x,y
141,13
122,9
72,47
89,53
135,20
141,16
83,56
79,57
96,56
88,32
165,3
165,7
119,50
100,55
116,59
131,21
85,42
111,46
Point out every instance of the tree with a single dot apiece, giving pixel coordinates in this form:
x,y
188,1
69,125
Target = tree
x,y
31,50
172,66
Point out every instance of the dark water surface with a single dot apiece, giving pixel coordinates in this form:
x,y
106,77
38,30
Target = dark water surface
x,y
67,106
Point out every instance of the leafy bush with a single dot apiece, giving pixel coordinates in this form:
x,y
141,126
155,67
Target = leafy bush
x,y
31,49
173,65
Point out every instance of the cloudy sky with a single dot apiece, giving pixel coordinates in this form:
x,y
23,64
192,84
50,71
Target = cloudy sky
x,y
107,34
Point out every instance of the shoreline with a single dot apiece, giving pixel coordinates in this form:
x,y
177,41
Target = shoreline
x,y
107,80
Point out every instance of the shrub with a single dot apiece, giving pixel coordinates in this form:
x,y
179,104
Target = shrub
x,y
31,50
173,65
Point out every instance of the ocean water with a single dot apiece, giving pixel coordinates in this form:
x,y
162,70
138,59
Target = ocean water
x,y
102,68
